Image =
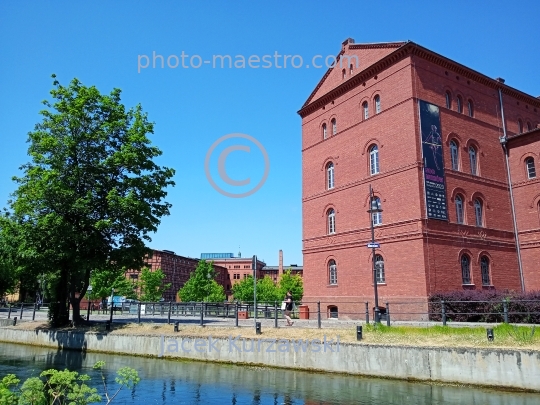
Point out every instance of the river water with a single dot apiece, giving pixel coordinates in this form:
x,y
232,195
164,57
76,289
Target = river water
x,y
186,382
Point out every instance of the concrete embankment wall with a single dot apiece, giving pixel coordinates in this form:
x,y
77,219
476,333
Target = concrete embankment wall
x,y
495,367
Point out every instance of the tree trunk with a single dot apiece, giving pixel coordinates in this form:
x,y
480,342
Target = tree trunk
x,y
59,304
76,306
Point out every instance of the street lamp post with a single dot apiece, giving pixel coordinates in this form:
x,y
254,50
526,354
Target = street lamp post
x,y
374,207
89,292
254,265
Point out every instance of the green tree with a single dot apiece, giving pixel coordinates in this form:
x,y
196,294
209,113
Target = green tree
x,y
267,291
151,285
90,196
294,284
202,285
103,281
62,387
8,277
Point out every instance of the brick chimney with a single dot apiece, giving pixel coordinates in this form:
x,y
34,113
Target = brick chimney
x,y
280,261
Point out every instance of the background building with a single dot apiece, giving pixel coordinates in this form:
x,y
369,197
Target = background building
x,y
424,132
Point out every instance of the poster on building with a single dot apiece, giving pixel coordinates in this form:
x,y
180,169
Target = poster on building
x,y
432,153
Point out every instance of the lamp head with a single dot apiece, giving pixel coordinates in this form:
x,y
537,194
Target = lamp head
x,y
375,205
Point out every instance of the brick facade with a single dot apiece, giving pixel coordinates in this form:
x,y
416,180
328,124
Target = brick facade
x,y
421,256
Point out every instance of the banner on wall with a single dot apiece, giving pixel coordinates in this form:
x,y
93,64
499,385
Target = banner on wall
x,y
432,154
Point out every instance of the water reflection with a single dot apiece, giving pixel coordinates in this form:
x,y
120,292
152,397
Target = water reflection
x,y
183,382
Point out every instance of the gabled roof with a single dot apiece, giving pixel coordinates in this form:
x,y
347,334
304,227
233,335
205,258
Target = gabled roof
x,y
359,50
397,52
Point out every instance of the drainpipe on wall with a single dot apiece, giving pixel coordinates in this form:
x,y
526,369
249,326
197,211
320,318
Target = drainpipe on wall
x,y
503,141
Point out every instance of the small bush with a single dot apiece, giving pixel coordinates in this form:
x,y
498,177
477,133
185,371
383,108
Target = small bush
x,y
486,306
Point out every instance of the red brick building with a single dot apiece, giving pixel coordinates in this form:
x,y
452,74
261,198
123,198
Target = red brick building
x,y
524,160
364,125
177,271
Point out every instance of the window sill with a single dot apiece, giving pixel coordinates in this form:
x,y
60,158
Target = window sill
x,y
468,285
488,286
331,285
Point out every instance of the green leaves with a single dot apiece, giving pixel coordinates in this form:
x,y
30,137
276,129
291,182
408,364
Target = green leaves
x,y
202,285
56,387
91,194
267,291
151,284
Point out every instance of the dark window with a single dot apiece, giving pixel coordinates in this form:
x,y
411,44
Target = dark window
x,y
365,107
333,312
454,155
343,74
470,107
478,212
473,159
484,267
459,104
377,104
465,269
334,127
448,100
324,131
459,209
520,126
379,268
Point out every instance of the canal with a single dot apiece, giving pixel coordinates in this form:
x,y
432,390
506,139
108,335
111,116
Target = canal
x,y
183,382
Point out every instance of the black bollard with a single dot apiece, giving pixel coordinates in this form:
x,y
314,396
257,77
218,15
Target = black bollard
x,y
176,326
108,325
359,332
490,335
14,320
258,328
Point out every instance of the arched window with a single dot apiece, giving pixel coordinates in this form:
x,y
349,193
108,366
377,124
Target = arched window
x,y
324,134
334,126
331,221
520,126
470,107
473,160
531,170
377,216
459,105
377,104
330,175
484,268
529,126
379,268
365,106
459,209
374,159
332,272
465,269
350,69
454,155
478,212
448,100
343,74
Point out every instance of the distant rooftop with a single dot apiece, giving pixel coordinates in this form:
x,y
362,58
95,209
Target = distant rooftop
x,y
217,255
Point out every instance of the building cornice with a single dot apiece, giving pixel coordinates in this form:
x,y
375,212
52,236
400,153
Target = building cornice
x,y
408,49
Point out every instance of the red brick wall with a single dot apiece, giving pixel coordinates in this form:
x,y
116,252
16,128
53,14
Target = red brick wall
x,y
421,256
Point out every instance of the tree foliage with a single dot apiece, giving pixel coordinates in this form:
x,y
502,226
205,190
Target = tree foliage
x,y
89,197
58,387
103,281
267,291
152,286
202,285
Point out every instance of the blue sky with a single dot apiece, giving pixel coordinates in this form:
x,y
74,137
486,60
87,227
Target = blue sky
x,y
99,42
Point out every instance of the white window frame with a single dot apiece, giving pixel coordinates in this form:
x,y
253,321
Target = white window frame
x,y
334,126
324,129
377,104
365,106
331,221
330,176
376,217
530,167
332,272
374,160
